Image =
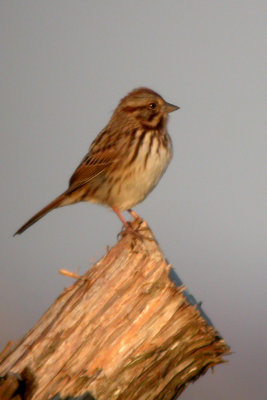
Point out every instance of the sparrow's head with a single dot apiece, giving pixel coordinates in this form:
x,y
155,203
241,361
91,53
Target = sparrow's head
x,y
146,107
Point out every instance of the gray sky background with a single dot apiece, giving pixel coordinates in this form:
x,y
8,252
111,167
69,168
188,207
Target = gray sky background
x,y
64,66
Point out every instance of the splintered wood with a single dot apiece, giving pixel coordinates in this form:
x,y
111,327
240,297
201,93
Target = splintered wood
x,y
122,331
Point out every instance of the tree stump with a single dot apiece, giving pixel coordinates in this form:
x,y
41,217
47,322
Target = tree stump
x,y
122,331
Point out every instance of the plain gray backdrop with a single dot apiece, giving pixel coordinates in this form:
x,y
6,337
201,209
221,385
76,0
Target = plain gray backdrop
x,y
64,67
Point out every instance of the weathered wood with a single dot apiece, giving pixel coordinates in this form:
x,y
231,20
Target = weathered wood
x,y
122,331
17,387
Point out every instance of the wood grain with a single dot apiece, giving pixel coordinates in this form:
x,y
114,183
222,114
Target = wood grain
x,y
122,331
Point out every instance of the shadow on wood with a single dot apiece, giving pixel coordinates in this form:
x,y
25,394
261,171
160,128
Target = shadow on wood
x,y
122,331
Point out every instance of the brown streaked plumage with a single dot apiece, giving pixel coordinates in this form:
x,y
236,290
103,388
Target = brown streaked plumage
x,y
125,161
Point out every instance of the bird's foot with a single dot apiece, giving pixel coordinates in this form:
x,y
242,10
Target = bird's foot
x,y
136,231
128,226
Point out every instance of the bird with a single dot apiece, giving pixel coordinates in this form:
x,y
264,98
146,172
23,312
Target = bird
x,y
125,161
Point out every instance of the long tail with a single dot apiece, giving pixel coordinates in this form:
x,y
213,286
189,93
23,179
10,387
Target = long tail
x,y
58,202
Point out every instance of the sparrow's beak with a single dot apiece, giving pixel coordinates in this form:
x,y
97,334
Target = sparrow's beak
x,y
170,107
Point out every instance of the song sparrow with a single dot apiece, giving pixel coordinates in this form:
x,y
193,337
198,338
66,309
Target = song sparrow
x,y
125,161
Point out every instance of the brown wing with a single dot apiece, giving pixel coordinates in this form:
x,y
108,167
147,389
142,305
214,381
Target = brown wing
x,y
89,169
103,152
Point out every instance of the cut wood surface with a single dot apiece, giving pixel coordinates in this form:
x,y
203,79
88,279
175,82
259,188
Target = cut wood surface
x,y
122,331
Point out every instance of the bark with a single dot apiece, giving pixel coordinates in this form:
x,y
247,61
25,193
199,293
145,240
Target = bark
x,y
123,330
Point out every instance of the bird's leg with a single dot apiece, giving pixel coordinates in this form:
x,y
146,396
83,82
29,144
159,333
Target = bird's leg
x,y
121,217
128,226
133,214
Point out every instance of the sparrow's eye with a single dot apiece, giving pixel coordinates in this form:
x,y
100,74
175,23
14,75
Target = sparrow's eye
x,y
152,106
